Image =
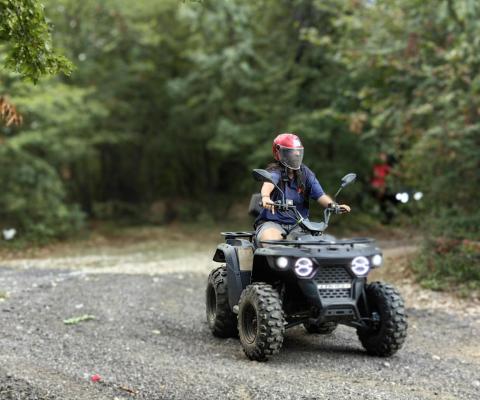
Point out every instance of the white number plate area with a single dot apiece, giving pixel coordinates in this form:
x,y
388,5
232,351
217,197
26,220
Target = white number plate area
x,y
334,286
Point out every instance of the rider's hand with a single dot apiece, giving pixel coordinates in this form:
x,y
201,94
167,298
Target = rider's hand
x,y
268,204
339,208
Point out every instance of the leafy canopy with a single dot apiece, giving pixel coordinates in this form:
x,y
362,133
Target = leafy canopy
x,y
26,36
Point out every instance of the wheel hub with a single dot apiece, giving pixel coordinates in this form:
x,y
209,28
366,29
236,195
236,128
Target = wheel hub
x,y
250,323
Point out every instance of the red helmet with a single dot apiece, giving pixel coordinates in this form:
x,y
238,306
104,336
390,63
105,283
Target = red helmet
x,y
288,149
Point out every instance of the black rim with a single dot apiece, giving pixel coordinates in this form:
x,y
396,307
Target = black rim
x,y
375,322
249,322
211,304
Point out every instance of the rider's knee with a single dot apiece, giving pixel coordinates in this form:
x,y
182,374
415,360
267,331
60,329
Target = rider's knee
x,y
271,234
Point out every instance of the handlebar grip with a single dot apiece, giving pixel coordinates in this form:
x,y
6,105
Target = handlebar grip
x,y
279,204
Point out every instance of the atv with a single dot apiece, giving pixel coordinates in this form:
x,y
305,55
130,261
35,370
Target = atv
x,y
309,278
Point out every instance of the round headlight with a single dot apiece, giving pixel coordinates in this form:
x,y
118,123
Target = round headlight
x,y
377,260
360,265
418,196
282,262
303,266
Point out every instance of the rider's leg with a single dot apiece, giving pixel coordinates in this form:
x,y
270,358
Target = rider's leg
x,y
269,231
271,234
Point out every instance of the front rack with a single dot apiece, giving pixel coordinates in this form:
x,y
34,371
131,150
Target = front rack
x,y
239,234
341,242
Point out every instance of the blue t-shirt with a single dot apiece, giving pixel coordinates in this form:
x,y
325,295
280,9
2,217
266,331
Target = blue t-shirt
x,y
312,187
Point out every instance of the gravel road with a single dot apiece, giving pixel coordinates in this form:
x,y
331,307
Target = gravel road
x,y
149,339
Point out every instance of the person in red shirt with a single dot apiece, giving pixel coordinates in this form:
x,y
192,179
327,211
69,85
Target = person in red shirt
x,y
378,183
380,172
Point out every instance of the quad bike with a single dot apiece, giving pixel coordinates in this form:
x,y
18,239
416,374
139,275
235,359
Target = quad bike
x,y
309,278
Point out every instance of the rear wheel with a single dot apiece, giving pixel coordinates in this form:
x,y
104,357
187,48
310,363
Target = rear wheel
x,y
323,329
387,329
221,320
261,323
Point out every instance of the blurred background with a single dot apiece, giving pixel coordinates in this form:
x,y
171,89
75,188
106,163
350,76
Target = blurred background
x,y
170,104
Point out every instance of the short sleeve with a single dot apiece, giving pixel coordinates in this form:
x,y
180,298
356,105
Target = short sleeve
x,y
316,190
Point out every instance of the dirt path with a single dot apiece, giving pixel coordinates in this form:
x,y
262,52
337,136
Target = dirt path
x,y
149,339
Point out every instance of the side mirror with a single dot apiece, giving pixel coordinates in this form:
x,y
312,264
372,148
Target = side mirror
x,y
262,175
348,179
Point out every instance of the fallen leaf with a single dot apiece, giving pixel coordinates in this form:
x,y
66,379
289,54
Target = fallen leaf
x,y
76,320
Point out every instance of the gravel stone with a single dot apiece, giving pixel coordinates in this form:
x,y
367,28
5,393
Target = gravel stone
x,y
150,341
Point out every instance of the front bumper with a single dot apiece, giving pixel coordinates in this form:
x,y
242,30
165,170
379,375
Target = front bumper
x,y
334,292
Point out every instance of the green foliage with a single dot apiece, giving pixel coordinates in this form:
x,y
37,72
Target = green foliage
x,y
26,32
33,197
450,257
417,64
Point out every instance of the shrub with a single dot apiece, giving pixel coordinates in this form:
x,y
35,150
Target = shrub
x,y
450,254
32,197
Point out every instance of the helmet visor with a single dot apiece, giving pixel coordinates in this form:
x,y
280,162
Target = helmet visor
x,y
291,158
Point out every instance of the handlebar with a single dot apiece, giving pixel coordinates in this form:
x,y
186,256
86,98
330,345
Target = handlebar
x,y
333,208
278,204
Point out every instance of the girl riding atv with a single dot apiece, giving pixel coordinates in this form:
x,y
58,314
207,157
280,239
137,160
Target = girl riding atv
x,y
299,184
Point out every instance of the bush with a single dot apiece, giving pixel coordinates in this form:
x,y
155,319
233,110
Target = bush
x,y
450,255
32,198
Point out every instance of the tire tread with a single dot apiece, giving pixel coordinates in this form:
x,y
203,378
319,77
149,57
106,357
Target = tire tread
x,y
271,321
225,324
393,332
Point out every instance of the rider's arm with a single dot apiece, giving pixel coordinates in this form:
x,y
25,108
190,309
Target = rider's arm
x,y
325,200
266,191
322,198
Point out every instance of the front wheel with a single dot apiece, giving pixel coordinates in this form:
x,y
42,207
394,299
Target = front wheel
x,y
261,323
387,329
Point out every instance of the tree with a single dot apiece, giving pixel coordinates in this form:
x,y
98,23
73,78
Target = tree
x,y
26,34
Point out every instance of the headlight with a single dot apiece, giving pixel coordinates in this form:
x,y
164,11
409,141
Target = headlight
x,y
418,196
402,197
360,266
377,260
282,262
303,267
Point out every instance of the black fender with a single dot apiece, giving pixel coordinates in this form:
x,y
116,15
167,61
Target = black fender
x,y
226,253
263,272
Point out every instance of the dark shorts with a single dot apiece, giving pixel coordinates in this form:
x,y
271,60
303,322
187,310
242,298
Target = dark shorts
x,y
282,228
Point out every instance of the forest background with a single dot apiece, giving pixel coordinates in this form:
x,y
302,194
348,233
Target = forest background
x,y
156,111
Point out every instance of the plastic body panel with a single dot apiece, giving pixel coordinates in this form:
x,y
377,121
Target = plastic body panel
x,y
301,293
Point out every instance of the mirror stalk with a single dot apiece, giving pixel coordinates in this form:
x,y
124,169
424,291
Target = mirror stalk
x,y
336,194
